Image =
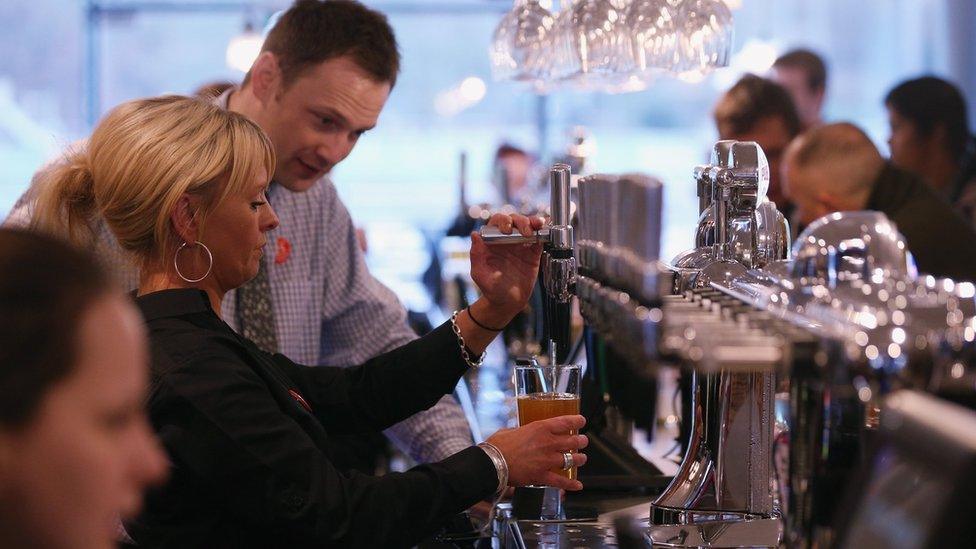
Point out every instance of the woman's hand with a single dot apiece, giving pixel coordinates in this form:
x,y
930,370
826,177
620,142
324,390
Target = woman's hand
x,y
533,451
505,274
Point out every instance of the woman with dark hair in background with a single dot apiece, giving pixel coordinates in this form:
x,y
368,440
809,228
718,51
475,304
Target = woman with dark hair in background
x,y
76,450
930,136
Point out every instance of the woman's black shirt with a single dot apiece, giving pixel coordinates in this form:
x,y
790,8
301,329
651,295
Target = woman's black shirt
x,y
247,434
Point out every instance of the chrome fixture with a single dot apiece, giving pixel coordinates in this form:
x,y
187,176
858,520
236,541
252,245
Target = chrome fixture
x,y
726,475
792,350
738,227
558,262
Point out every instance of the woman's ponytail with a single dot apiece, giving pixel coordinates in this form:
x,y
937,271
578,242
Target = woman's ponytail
x,y
65,204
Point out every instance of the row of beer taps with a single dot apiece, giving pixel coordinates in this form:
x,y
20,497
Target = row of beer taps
x,y
825,327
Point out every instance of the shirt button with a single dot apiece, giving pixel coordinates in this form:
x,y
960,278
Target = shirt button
x,y
294,502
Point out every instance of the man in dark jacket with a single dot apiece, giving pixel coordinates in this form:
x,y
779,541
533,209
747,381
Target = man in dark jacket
x,y
837,168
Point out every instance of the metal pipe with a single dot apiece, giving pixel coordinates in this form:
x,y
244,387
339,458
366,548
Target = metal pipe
x,y
559,178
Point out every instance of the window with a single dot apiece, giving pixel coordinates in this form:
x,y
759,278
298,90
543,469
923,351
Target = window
x,y
406,170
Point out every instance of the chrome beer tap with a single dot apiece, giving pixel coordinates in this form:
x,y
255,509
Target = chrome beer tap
x,y
737,190
726,476
705,232
872,326
842,315
558,277
738,227
558,269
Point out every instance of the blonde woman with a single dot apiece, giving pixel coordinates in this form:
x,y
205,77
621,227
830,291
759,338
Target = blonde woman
x,y
182,186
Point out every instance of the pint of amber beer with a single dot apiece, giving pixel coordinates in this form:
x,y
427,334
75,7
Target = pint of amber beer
x,y
548,391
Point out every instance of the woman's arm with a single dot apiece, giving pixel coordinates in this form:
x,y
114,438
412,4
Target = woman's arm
x,y
266,463
395,385
384,390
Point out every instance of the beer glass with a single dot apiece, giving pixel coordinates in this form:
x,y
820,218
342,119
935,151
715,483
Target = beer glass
x,y
548,391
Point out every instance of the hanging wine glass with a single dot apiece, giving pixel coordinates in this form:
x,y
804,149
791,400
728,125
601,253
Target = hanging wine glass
x,y
594,41
611,45
518,50
654,34
622,40
564,61
704,35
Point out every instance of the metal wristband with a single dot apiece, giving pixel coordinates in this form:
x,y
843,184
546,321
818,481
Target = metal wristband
x,y
501,466
464,349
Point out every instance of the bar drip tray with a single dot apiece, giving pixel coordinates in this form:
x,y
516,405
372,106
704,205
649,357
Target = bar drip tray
x,y
754,533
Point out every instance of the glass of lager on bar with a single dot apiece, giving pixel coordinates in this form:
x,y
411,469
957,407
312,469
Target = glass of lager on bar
x,y
548,391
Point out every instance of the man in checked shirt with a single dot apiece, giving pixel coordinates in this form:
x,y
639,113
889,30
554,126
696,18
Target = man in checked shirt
x,y
320,82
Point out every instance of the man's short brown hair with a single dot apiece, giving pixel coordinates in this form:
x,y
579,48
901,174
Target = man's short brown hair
x,y
313,31
750,100
810,63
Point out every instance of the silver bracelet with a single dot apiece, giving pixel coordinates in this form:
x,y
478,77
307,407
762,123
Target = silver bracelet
x,y
501,466
464,349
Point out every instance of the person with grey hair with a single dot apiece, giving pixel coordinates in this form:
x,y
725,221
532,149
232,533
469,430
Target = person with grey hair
x,y
836,168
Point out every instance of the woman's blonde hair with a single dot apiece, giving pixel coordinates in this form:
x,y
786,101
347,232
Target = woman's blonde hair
x,y
143,156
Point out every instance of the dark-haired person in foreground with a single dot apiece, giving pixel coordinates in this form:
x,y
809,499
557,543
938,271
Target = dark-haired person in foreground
x,y
837,168
930,137
76,450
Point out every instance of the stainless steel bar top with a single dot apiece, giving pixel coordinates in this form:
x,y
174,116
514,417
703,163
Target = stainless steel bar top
x,y
528,534
511,533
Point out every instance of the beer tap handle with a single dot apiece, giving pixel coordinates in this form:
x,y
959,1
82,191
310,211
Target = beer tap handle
x,y
559,232
492,235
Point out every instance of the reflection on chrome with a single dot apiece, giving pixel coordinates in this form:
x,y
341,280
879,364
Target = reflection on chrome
x,y
864,324
846,246
737,223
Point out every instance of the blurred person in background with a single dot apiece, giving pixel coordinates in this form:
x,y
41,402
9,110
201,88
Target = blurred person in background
x,y
760,110
930,137
512,169
76,450
804,75
836,168
324,73
249,432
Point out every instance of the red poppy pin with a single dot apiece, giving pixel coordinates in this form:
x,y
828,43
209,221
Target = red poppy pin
x,y
283,251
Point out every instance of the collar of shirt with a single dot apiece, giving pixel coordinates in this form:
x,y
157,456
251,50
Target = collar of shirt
x,y
175,302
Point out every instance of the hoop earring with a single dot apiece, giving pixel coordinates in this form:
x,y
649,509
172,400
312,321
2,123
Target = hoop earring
x,y
176,262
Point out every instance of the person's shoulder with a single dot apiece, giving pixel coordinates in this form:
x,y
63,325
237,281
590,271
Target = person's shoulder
x,y
179,342
906,189
324,190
